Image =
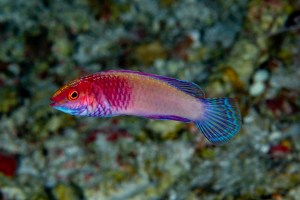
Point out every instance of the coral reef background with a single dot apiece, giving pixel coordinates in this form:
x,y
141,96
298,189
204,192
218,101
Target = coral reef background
x,y
246,49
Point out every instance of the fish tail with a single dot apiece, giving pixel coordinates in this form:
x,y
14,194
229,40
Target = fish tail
x,y
220,120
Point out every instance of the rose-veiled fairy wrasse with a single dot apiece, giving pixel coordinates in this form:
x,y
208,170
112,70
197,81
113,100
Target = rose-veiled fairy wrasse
x,y
124,92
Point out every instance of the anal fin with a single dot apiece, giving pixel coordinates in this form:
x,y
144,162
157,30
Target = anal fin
x,y
168,117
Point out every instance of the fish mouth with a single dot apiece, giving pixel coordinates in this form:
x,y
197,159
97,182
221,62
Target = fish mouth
x,y
53,104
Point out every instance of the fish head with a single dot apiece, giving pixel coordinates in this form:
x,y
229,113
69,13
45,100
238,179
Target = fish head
x,y
72,98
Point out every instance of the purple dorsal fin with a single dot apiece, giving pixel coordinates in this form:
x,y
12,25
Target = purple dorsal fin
x,y
185,86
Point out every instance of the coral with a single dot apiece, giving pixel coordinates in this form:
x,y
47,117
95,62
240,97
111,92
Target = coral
x,y
244,49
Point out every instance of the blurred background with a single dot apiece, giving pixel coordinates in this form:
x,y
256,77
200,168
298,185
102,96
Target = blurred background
x,y
246,49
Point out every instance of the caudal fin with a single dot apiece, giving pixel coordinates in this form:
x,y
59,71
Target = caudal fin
x,y
220,120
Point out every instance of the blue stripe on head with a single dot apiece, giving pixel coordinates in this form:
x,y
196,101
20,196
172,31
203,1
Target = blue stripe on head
x,y
71,111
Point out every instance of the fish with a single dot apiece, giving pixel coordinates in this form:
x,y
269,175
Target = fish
x,y
133,93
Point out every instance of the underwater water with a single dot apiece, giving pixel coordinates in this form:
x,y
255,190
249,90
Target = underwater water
x,y
244,49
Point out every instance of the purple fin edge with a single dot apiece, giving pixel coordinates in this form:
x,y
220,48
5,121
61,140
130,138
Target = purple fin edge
x,y
168,117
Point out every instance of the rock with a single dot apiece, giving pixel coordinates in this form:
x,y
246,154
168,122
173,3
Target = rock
x,y
257,89
148,53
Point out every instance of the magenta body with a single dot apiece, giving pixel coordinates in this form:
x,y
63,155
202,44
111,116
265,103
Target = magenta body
x,y
126,93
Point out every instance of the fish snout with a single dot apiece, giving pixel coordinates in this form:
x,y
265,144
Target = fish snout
x,y
55,101
53,104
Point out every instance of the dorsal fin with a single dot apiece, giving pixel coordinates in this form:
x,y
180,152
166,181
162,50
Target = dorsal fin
x,y
189,88
185,86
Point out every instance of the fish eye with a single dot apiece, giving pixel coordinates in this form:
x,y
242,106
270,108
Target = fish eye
x,y
73,95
